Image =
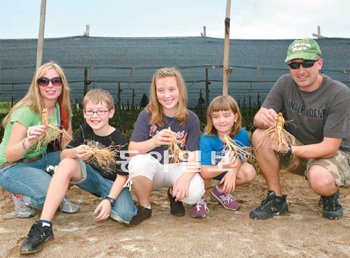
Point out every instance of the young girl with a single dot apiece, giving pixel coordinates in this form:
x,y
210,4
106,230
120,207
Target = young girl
x,y
223,118
23,163
163,120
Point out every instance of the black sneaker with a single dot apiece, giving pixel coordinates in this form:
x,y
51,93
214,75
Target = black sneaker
x,y
331,206
271,206
37,236
142,214
176,207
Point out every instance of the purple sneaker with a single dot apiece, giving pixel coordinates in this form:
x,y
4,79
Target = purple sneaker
x,y
226,200
200,209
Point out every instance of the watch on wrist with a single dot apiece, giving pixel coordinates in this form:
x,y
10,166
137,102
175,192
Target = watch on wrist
x,y
111,200
289,153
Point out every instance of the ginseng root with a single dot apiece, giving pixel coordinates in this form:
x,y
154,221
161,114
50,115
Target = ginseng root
x,y
278,133
105,157
175,150
52,133
244,153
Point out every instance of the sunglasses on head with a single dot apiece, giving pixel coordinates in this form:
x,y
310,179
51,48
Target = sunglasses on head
x,y
44,81
305,64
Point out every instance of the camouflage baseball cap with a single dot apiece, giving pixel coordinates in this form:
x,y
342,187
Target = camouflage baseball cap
x,y
307,49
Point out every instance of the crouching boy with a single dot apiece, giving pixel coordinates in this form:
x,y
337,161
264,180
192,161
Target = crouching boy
x,y
81,167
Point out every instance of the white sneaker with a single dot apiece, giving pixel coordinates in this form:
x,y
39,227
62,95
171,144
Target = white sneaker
x,y
22,210
68,207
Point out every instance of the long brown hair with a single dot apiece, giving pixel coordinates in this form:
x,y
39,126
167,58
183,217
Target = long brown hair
x,y
223,103
34,100
155,108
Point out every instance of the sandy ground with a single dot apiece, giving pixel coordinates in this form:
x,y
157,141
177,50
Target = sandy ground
x,y
300,233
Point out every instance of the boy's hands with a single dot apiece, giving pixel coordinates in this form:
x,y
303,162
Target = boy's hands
x,y
82,153
103,210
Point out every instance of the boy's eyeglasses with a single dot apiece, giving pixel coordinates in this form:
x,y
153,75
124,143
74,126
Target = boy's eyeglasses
x,y
44,81
98,112
305,64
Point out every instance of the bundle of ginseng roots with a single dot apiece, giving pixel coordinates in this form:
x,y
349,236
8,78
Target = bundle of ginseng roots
x,y
243,153
277,136
176,152
52,132
105,157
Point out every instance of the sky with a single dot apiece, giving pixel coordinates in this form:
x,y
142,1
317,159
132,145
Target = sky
x,y
250,19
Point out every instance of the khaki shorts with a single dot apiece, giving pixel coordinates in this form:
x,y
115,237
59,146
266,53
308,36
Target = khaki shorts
x,y
338,166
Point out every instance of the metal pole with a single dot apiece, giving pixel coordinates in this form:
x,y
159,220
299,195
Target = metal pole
x,y
39,53
226,49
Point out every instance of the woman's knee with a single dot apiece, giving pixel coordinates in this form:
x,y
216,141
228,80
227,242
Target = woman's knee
x,y
33,185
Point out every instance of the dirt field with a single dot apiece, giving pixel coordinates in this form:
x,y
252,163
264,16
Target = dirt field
x,y
301,233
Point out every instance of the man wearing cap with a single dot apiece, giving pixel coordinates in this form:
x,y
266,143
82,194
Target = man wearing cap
x,y
318,110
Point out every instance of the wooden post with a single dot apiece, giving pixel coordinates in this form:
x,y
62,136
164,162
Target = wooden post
x,y
226,49
86,82
39,52
12,98
206,87
318,34
133,99
87,31
118,96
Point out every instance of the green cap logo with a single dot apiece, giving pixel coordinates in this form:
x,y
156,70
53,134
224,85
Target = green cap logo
x,y
307,49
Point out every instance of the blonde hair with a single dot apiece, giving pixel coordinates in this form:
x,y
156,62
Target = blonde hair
x,y
34,100
155,108
98,96
223,103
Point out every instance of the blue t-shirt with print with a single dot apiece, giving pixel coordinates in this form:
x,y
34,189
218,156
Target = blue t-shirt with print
x,y
213,149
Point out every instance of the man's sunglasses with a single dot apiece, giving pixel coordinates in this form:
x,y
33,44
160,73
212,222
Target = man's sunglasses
x,y
305,64
44,81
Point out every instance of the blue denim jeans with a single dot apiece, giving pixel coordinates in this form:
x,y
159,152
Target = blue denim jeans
x,y
123,209
29,179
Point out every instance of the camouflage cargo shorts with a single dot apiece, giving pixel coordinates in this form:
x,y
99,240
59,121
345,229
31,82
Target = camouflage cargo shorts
x,y
339,166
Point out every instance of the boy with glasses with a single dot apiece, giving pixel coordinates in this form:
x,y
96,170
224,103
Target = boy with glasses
x,y
80,167
319,111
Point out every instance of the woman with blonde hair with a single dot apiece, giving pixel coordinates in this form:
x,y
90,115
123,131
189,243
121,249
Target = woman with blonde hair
x,y
23,154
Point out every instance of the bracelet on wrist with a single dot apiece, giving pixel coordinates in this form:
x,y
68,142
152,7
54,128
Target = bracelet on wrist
x,y
24,146
111,200
289,153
